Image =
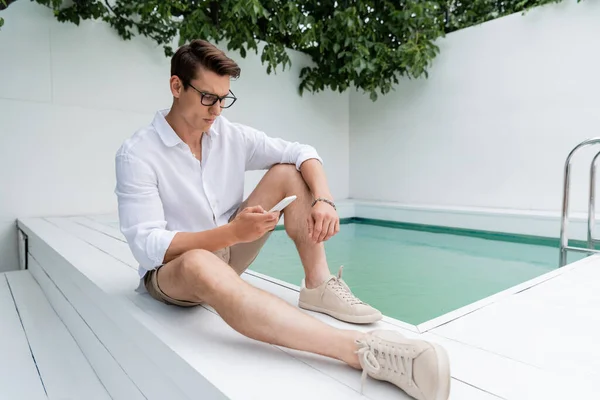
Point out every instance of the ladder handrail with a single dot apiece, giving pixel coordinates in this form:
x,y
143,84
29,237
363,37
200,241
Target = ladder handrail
x,y
592,202
564,240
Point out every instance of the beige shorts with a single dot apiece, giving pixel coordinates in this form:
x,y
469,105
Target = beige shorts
x,y
238,256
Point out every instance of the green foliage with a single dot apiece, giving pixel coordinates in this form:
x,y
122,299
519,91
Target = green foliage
x,y
369,44
461,14
3,5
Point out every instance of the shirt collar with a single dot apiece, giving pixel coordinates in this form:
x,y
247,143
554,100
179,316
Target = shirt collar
x,y
167,134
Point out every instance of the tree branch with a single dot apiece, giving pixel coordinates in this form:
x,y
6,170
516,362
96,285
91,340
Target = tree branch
x,y
5,3
214,13
107,4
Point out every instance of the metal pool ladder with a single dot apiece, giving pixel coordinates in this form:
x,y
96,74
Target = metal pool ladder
x,y
564,240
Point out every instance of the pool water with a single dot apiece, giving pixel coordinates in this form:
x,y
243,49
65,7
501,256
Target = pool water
x,y
415,276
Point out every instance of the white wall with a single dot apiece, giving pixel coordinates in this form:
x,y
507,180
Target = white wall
x,y
70,95
504,104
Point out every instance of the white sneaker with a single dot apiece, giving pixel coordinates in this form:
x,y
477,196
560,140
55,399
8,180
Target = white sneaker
x,y
333,297
419,368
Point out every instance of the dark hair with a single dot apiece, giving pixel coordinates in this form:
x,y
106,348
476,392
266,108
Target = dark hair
x,y
200,53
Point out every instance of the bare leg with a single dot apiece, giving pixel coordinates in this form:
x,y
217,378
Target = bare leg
x,y
281,181
199,275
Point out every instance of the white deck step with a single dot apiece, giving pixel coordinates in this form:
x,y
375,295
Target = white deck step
x,y
114,379
61,368
155,368
497,351
19,378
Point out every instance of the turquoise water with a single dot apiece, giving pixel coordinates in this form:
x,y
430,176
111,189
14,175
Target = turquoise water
x,y
415,276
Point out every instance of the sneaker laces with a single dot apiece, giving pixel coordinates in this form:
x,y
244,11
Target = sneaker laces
x,y
391,361
342,290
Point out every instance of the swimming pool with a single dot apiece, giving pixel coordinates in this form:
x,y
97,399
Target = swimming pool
x,y
414,275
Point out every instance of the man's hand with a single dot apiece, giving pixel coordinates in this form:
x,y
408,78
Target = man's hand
x,y
252,223
323,222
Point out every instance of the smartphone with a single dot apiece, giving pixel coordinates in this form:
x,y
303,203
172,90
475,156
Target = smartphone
x,y
283,204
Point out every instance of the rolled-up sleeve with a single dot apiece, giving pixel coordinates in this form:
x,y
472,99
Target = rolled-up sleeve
x,y
141,214
262,151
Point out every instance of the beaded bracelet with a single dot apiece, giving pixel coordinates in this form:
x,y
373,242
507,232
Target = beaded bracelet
x,y
324,200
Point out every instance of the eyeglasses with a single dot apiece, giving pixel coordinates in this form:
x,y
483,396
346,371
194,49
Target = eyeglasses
x,y
210,99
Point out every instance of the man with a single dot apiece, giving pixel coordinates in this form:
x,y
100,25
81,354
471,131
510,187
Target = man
x,y
180,184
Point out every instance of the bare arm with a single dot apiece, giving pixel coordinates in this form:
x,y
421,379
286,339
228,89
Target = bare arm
x,y
249,225
211,240
324,221
314,176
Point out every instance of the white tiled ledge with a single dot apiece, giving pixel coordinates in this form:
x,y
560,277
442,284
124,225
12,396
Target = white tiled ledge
x,y
512,221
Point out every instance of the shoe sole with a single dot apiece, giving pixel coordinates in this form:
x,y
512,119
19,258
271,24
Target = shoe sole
x,y
443,392
353,319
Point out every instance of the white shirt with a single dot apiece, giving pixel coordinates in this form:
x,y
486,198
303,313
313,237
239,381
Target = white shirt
x,y
163,189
